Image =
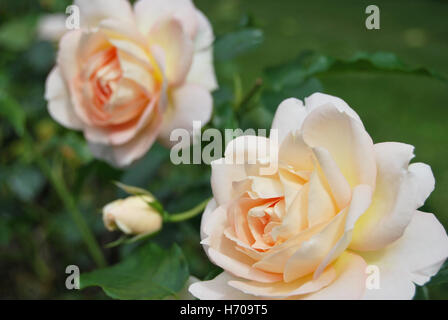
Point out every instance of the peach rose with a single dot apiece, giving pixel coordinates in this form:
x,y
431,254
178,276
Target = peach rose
x,y
336,204
130,75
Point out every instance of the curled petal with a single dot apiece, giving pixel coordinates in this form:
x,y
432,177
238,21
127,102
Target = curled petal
x,y
414,258
401,189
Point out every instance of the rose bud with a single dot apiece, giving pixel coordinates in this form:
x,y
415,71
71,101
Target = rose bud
x,y
132,215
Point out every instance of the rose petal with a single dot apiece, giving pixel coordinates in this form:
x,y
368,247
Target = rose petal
x,y
328,169
217,289
202,71
222,252
59,104
414,258
318,99
92,12
288,117
123,155
400,191
320,204
350,283
362,197
189,103
232,168
177,49
150,12
345,138
300,286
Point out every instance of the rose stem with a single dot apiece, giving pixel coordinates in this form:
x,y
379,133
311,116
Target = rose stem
x,y
178,217
62,191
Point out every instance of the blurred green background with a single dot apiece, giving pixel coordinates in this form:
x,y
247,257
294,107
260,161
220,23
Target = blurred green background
x,y
38,238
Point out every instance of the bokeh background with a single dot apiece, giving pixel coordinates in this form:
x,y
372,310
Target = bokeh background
x,y
38,237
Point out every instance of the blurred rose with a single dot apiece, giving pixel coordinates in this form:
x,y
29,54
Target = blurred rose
x,y
132,215
51,27
132,74
336,204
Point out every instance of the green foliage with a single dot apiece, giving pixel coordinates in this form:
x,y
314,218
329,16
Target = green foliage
x,y
441,277
149,273
310,64
12,112
234,44
26,182
16,35
38,238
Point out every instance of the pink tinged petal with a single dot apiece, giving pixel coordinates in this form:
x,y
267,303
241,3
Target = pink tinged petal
x,y
318,99
288,117
138,72
320,250
362,197
320,203
292,184
242,246
340,188
345,139
276,258
150,12
295,219
123,135
400,190
414,258
350,283
222,177
221,250
218,289
59,104
189,103
67,57
232,168
239,264
177,49
77,52
93,12
266,188
280,290
125,154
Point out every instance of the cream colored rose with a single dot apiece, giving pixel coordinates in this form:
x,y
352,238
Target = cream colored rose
x,y
130,75
132,215
337,204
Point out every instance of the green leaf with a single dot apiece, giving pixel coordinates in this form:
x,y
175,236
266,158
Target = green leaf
x,y
135,191
149,273
26,182
236,43
12,112
17,34
310,64
441,276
